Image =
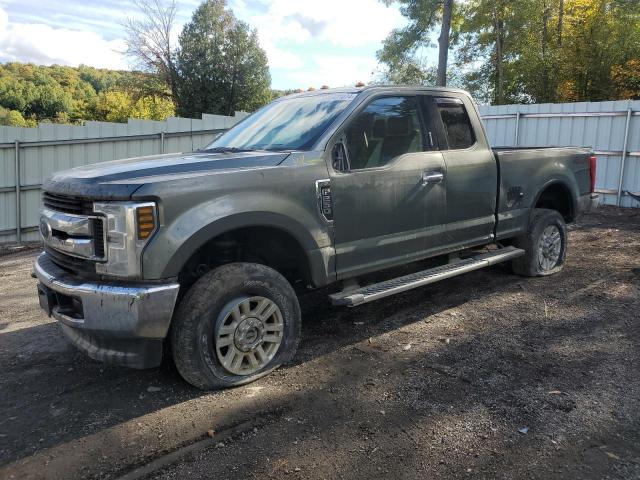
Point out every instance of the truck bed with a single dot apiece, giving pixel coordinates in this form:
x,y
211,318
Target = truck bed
x,y
523,172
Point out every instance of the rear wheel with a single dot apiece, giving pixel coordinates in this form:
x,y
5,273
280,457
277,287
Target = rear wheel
x,y
236,324
545,245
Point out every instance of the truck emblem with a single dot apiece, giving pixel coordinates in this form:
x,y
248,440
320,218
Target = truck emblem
x,y
45,228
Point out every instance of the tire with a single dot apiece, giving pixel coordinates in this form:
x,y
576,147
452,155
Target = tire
x,y
219,318
534,263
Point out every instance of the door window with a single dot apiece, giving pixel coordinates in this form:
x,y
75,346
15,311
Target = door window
x,y
457,125
386,128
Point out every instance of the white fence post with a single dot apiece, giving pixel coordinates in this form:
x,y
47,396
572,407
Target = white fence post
x,y
625,151
17,178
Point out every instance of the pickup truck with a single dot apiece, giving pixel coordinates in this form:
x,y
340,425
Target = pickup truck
x,y
204,254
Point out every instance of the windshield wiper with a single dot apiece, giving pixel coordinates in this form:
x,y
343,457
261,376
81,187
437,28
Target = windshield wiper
x,y
229,150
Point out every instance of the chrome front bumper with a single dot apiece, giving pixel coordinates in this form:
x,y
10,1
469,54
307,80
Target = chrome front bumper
x,y
112,322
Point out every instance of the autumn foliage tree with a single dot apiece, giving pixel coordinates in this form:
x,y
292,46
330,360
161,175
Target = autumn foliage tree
x,y
536,50
626,78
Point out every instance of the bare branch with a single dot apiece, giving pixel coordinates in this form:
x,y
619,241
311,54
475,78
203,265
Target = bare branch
x,y
148,41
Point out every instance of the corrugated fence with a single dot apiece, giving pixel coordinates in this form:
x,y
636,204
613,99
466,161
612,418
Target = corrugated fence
x,y
612,129
36,153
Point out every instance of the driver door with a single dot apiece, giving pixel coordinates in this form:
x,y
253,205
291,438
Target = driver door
x,y
389,206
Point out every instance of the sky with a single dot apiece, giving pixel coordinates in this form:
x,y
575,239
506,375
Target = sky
x,y
308,43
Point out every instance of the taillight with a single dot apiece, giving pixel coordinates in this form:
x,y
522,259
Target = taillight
x,y
592,171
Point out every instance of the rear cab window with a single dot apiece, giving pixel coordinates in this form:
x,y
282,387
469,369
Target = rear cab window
x,y
458,130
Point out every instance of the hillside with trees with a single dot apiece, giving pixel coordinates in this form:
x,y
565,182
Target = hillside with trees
x,y
217,67
32,93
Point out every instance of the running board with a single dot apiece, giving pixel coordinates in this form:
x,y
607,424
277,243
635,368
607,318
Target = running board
x,y
376,291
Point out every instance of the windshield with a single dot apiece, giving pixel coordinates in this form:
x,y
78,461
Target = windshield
x,y
287,124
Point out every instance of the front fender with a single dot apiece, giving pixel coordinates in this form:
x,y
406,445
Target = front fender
x,y
179,238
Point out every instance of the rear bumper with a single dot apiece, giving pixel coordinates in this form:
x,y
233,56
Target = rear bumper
x,y
587,203
111,322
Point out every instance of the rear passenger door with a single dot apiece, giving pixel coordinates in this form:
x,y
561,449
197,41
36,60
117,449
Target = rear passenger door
x,y
472,176
386,210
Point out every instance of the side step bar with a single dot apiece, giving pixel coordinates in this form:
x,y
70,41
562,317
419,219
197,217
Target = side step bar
x,y
376,291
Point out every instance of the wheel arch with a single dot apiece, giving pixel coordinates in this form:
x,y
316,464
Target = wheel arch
x,y
557,195
309,258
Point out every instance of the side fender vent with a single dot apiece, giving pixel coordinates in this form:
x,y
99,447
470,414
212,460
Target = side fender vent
x,y
325,202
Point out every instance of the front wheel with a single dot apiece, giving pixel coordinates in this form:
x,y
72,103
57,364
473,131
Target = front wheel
x,y
236,324
545,245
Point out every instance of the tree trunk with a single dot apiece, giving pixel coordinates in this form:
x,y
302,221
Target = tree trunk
x,y
498,27
546,94
560,22
443,42
173,81
231,105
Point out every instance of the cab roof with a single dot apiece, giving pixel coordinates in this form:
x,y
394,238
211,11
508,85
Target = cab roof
x,y
375,88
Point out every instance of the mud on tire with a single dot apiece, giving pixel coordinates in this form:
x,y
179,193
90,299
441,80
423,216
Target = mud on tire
x,y
539,258
201,316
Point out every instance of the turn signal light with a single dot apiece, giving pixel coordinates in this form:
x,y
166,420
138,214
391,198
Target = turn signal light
x,y
146,222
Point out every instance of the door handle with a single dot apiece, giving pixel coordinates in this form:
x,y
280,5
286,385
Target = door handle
x,y
432,177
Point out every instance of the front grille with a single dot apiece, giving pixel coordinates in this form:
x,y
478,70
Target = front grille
x,y
67,203
75,206
98,238
72,264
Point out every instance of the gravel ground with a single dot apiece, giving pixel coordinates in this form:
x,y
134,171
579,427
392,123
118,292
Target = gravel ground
x,y
486,375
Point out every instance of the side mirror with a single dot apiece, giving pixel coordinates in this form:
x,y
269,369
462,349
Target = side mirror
x,y
339,157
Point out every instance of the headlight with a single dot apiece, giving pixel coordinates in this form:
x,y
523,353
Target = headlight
x,y
129,226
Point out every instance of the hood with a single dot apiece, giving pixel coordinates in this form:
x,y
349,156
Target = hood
x,y
119,179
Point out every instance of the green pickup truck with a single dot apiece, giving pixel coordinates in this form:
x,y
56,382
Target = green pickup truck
x,y
208,251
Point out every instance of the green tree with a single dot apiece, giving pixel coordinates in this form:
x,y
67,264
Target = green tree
x,y
400,50
119,106
600,35
488,39
114,106
524,51
70,95
13,118
408,72
220,63
153,108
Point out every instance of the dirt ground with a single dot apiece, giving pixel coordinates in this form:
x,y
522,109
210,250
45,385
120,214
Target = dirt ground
x,y
486,375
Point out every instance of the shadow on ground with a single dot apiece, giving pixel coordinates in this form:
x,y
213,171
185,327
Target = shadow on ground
x,y
433,383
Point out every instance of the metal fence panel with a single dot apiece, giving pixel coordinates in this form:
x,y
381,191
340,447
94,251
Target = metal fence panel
x,y
612,129
49,148
39,152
